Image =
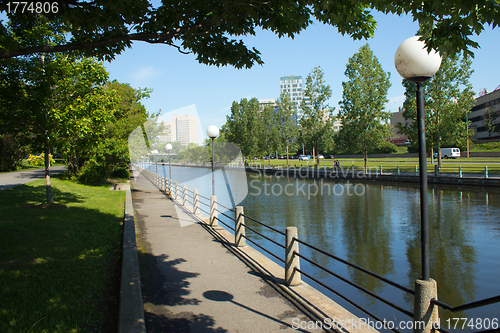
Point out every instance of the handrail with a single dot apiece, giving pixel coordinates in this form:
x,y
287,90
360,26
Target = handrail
x,y
395,306
467,306
265,225
374,316
269,239
230,209
229,217
274,255
403,288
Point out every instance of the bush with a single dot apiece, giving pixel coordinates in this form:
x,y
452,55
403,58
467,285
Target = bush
x,y
488,146
92,173
385,148
40,160
121,173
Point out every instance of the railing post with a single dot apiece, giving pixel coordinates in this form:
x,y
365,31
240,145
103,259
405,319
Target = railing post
x,y
213,211
381,170
176,191
485,171
436,170
196,203
184,195
426,315
292,261
166,184
415,170
239,235
460,171
398,169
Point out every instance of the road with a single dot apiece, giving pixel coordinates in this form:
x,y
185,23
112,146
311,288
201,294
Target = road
x,y
12,179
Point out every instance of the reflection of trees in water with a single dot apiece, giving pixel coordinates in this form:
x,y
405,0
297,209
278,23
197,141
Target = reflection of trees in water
x,y
367,235
452,255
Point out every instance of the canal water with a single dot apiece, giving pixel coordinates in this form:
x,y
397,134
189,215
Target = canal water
x,y
375,225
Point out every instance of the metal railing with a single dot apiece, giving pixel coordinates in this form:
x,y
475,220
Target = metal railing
x,y
293,271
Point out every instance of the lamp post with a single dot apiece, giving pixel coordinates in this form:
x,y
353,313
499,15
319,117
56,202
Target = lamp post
x,y
156,162
415,64
213,132
169,148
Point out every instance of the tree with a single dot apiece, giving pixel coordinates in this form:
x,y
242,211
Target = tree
x,y
362,109
243,126
288,128
110,150
268,131
317,121
490,122
448,98
208,29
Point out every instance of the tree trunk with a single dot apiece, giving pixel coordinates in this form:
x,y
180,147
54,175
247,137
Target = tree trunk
x,y
439,156
47,169
366,158
287,161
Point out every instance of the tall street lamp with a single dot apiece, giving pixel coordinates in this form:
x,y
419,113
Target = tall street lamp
x,y
169,148
414,63
213,132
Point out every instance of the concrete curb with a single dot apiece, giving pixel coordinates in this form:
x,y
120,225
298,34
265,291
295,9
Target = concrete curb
x,y
131,317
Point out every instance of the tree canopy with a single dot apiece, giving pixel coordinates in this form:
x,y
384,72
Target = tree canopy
x,y
448,99
212,30
362,109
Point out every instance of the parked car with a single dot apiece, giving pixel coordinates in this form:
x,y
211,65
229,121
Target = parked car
x,y
448,153
331,157
303,158
320,156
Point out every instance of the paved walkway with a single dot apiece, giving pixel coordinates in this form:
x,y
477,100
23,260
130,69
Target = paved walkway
x,y
193,283
12,179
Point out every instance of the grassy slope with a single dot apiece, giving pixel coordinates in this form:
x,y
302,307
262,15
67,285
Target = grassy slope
x,y
58,264
468,165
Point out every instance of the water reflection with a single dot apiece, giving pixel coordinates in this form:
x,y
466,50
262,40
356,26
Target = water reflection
x,y
367,233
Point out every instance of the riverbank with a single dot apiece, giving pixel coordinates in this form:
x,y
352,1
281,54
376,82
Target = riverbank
x,y
373,174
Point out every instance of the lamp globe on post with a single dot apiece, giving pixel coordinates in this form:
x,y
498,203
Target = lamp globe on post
x,y
414,63
213,132
169,148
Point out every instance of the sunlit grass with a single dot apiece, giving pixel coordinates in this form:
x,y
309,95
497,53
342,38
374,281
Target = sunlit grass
x,y
468,165
58,263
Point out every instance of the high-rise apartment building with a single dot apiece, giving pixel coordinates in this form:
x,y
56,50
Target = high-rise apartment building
x,y
293,85
183,129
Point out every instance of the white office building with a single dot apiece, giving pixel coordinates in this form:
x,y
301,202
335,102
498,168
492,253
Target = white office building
x,y
294,86
183,129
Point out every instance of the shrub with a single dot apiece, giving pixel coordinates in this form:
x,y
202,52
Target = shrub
x,y
121,173
385,148
92,172
40,160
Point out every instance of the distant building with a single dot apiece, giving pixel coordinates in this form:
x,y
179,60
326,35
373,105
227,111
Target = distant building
x,y
268,102
293,85
183,129
484,103
398,118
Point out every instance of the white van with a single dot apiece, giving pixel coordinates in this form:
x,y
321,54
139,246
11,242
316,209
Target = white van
x,y
448,153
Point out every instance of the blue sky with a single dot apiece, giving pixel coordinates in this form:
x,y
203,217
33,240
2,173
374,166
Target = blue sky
x,y
178,80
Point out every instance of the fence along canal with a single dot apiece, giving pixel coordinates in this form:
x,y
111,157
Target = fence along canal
x,y
234,219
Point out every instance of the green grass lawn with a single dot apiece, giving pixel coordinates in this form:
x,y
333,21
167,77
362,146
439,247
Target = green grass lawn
x,y
60,264
468,165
